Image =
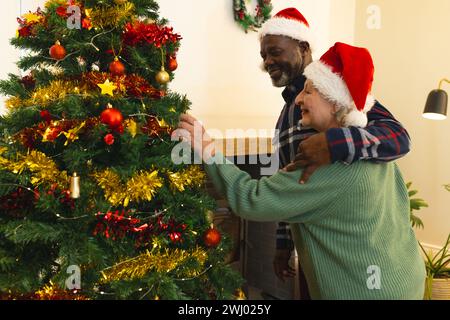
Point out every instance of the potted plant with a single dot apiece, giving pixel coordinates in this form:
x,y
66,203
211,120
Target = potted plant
x,y
438,273
437,285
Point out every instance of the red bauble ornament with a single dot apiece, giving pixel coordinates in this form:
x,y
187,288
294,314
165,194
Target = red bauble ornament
x,y
62,11
46,116
109,139
117,68
112,117
172,63
212,237
57,51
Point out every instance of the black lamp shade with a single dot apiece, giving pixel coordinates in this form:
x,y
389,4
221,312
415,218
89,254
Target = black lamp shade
x,y
436,107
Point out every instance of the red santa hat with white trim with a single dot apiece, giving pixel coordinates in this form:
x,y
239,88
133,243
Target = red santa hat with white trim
x,y
289,23
344,75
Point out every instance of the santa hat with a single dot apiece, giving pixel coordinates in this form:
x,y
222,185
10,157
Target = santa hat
x,y
344,75
290,23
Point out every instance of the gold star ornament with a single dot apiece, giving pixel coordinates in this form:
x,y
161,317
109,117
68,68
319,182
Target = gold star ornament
x,y
107,87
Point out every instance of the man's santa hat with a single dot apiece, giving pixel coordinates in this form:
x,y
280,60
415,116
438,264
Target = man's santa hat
x,y
344,75
290,23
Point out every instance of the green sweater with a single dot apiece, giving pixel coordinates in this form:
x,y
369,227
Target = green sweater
x,y
350,225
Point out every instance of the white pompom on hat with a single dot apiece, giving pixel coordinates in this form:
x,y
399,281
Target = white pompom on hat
x,y
344,75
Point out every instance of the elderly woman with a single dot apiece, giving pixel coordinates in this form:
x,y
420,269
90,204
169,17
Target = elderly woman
x,y
350,223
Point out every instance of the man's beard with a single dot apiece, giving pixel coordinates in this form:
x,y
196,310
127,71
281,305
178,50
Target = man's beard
x,y
282,82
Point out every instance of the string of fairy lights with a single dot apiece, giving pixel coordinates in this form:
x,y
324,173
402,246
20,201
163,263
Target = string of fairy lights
x,y
152,216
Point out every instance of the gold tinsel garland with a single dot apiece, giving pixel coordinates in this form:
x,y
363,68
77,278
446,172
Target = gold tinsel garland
x,y
87,86
53,292
162,262
109,17
49,291
43,169
56,90
191,177
141,187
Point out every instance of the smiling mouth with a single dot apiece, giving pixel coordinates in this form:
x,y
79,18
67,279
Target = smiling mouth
x,y
275,73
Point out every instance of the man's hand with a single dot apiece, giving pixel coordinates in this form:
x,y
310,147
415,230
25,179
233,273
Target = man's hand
x,y
312,153
281,264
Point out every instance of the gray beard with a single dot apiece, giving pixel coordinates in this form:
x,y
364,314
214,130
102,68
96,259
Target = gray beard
x,y
282,82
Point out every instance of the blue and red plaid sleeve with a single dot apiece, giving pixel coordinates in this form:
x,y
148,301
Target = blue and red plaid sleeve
x,y
384,139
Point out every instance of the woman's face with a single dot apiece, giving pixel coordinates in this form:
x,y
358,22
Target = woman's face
x,y
317,113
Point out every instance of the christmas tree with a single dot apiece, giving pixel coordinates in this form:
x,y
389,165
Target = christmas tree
x,y
92,206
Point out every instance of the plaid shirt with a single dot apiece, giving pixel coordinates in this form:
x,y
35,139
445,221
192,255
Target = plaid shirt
x,y
384,139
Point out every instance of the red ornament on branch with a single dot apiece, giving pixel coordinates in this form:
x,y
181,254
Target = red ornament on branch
x,y
57,51
46,116
212,237
62,11
109,139
111,117
172,63
116,68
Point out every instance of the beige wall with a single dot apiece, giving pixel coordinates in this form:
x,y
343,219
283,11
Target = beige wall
x,y
412,53
10,11
219,63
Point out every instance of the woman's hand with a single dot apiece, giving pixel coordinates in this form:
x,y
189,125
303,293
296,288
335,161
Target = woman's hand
x,y
192,131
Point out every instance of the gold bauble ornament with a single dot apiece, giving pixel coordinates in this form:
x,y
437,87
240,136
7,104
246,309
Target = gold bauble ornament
x,y
120,1
162,77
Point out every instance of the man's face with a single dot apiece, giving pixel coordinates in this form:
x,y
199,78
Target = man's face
x,y
282,59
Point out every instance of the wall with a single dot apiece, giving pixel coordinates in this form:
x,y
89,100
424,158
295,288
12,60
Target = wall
x,y
219,63
411,53
9,54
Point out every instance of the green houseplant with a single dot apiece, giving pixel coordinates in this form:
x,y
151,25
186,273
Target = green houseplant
x,y
438,271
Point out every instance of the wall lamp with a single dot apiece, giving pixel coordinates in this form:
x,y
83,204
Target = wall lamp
x,y
436,106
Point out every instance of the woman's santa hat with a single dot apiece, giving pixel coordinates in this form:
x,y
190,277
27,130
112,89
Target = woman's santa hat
x,y
290,23
344,75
